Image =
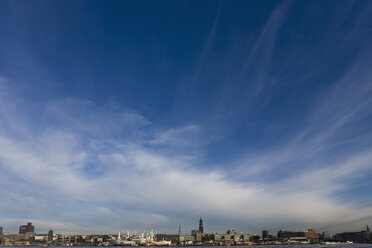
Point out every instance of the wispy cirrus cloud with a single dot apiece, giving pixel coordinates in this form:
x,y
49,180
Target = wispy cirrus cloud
x,y
89,179
261,52
71,164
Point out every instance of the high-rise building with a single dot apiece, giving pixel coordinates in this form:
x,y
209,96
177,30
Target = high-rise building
x,y
30,227
265,234
50,235
22,229
26,228
201,227
1,230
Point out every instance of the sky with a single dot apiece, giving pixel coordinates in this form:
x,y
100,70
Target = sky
x,y
140,115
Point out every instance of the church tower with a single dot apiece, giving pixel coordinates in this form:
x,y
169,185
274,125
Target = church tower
x,y
201,228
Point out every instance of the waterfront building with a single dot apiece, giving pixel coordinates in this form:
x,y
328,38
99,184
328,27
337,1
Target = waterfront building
x,y
309,236
61,238
41,238
255,238
160,236
50,235
188,239
283,234
29,236
355,237
1,236
198,237
265,234
325,236
22,229
176,239
363,236
26,228
230,237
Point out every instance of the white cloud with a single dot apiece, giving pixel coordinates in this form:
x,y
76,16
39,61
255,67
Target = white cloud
x,y
77,174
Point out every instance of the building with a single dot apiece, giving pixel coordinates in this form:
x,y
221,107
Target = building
x,y
161,236
363,236
201,227
41,238
176,239
188,239
50,235
325,236
265,234
26,228
22,229
230,237
309,236
255,238
198,237
355,237
282,234
1,236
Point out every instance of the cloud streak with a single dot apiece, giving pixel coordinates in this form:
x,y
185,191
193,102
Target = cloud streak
x,y
71,164
78,174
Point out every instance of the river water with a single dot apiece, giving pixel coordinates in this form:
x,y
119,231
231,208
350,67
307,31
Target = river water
x,y
262,246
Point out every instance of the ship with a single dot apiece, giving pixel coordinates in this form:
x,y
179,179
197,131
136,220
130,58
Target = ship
x,y
120,242
135,240
153,242
160,243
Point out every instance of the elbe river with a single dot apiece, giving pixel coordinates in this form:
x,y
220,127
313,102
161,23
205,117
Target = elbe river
x,y
268,246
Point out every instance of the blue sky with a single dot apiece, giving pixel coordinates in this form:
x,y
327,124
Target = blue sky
x,y
149,114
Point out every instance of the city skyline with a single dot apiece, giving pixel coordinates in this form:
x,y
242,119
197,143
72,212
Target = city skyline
x,y
30,228
145,115
28,237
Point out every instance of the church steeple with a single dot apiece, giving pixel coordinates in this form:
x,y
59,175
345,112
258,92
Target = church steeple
x,y
201,228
